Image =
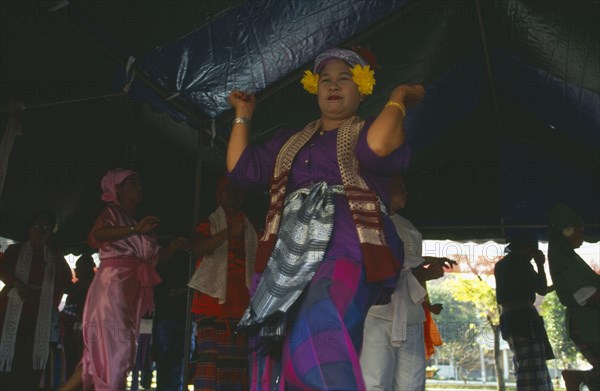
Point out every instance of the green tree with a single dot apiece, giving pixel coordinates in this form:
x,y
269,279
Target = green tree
x,y
458,326
480,293
554,320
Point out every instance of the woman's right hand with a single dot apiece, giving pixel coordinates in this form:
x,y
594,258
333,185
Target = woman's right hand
x,y
147,224
244,103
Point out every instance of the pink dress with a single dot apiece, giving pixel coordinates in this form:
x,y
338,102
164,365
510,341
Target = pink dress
x,y
119,295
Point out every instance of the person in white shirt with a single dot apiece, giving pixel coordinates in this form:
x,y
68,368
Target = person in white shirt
x,y
393,352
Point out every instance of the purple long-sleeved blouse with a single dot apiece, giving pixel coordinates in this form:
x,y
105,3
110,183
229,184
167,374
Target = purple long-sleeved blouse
x,y
316,162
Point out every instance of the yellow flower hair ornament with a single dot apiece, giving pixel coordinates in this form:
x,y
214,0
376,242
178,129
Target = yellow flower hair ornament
x,y
310,82
364,78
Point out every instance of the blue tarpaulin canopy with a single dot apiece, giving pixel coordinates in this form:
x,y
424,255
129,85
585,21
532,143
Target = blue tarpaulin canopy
x,y
509,126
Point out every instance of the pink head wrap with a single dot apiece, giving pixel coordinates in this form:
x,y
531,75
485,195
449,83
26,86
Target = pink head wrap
x,y
110,180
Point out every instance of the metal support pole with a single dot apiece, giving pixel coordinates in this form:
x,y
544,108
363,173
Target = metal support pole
x,y
482,357
192,263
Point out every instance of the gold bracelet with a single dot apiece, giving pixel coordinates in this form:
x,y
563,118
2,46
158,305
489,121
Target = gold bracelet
x,y
399,105
241,120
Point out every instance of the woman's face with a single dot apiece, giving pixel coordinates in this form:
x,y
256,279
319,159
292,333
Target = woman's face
x,y
230,198
338,95
40,230
130,190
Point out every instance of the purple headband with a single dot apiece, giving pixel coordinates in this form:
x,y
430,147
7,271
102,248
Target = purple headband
x,y
338,54
110,180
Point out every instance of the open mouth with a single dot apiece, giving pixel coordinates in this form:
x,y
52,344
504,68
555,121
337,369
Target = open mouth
x,y
334,97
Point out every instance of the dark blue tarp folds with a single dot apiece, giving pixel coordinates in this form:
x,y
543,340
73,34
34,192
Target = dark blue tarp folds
x,y
540,81
255,45
510,123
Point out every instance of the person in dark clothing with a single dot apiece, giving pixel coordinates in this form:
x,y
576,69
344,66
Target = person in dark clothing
x,y
35,275
517,283
170,300
72,313
578,289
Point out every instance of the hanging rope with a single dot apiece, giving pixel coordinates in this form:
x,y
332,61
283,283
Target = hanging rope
x,y
68,101
129,76
13,129
129,67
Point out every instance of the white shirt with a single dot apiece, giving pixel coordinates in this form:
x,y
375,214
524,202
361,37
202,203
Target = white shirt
x,y
409,293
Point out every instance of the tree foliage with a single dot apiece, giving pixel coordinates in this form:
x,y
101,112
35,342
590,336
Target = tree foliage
x,y
459,327
481,294
554,320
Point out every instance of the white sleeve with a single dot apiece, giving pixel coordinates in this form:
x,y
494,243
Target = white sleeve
x,y
583,294
413,241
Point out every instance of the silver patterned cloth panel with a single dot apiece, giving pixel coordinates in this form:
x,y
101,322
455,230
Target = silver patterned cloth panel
x,y
304,234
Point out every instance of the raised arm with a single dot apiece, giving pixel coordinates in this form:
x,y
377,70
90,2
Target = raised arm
x,y
387,132
244,105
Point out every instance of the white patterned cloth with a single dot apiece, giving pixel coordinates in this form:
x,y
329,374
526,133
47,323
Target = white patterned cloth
x,y
211,275
41,344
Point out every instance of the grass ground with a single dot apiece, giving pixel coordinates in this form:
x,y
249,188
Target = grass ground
x,y
455,386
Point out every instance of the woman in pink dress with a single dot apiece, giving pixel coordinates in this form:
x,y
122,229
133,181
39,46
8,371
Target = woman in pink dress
x,y
122,288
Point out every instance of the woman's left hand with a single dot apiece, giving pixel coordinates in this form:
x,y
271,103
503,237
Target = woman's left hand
x,y
410,95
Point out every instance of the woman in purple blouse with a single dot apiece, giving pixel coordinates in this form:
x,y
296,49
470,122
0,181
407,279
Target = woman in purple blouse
x,y
329,250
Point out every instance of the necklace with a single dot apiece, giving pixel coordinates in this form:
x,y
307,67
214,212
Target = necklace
x,y
321,131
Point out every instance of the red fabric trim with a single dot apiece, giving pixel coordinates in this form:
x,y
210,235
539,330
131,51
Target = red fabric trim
x,y
379,262
263,253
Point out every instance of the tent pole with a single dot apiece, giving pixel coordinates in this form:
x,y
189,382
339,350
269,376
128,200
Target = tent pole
x,y
488,63
192,263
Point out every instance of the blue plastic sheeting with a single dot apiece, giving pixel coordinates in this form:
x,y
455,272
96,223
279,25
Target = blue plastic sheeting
x,y
560,37
534,180
559,103
253,46
452,96
537,174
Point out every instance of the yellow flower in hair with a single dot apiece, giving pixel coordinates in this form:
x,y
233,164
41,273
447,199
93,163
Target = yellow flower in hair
x,y
364,78
310,82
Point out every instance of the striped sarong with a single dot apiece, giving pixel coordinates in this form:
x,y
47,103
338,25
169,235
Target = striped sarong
x,y
321,348
303,238
221,356
529,358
